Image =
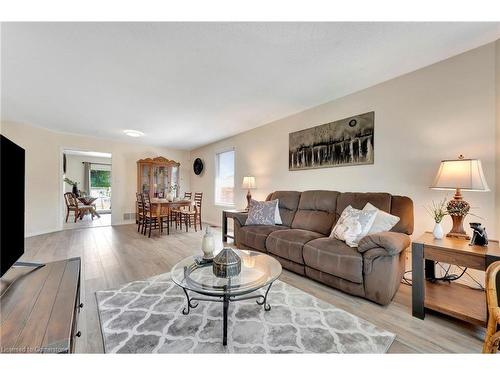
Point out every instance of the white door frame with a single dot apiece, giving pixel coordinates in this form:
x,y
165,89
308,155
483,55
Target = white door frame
x,y
62,205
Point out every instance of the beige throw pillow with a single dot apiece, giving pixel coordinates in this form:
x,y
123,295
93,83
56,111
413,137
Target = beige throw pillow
x,y
277,216
353,225
383,220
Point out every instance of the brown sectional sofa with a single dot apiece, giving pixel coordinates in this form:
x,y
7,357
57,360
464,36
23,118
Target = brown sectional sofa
x,y
301,244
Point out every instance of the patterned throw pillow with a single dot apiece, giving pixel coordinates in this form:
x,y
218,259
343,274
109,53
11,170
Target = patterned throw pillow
x,y
262,213
353,225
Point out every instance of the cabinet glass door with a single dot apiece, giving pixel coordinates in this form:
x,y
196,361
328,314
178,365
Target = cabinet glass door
x,y
174,180
145,179
161,181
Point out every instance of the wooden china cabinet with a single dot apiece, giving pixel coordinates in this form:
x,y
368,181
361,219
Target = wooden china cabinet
x,y
158,177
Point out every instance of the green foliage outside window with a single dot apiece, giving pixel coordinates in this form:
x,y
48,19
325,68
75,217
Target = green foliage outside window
x,y
100,179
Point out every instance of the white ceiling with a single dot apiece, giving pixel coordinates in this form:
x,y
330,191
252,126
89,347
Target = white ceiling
x,y
189,84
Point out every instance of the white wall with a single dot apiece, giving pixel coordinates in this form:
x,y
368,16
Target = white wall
x,y
435,113
75,170
44,200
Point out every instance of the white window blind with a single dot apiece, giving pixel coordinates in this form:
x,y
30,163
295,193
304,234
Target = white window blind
x,y
224,178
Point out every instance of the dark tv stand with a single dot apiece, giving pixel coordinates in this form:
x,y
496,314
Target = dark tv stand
x,y
39,309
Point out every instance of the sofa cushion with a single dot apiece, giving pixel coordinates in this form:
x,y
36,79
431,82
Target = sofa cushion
x,y
288,243
288,201
358,200
316,211
334,257
255,236
290,266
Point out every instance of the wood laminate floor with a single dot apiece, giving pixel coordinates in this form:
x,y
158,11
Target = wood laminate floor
x,y
87,221
115,255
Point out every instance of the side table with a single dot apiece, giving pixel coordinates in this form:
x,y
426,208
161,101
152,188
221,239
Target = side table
x,y
452,299
225,215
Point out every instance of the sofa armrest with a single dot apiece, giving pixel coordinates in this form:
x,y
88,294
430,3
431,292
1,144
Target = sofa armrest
x,y
393,243
241,217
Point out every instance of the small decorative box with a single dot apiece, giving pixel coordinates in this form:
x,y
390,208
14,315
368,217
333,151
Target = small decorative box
x,y
227,263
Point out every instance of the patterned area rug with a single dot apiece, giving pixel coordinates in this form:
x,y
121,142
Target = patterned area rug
x,y
146,317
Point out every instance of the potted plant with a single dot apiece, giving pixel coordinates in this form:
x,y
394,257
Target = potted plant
x,y
437,211
74,189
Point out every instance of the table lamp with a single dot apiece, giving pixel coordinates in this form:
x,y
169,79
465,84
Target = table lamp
x,y
459,174
248,183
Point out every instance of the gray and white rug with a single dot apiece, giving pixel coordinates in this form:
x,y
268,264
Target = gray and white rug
x,y
146,317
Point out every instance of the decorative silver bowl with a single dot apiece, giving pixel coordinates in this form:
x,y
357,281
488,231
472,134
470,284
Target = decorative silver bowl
x,y
227,263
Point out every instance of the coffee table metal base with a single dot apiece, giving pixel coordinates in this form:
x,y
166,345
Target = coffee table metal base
x,y
260,299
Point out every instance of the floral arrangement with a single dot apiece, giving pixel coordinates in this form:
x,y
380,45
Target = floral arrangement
x,y
70,182
438,210
173,188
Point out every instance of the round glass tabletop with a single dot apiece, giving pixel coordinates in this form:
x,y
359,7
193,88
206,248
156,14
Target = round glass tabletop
x,y
257,271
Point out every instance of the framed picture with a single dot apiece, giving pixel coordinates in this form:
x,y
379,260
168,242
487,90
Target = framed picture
x,y
340,143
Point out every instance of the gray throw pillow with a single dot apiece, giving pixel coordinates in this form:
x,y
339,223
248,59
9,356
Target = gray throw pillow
x,y
261,213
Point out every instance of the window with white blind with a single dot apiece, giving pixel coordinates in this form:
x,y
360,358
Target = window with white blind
x,y
224,178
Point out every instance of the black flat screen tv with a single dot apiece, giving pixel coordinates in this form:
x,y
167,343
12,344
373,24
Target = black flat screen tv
x,y
11,203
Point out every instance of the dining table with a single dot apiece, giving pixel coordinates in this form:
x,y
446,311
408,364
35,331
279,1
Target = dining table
x,y
89,201
162,206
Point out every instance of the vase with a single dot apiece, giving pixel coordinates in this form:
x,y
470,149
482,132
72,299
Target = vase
x,y
208,244
170,197
438,231
74,190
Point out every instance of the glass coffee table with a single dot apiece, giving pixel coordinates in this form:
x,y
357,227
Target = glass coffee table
x,y
258,271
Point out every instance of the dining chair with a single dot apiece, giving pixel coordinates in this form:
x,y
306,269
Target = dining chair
x,y
492,337
193,214
140,212
151,218
73,205
175,213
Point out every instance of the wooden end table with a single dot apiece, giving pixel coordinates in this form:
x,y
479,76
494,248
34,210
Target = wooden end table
x,y
225,215
453,299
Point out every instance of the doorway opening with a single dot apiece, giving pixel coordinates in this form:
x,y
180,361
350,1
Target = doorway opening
x,y
86,189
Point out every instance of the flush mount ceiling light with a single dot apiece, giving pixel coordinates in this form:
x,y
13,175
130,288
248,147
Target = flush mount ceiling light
x,y
133,133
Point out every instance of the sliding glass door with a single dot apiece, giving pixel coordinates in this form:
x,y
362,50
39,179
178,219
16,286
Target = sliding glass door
x,y
100,186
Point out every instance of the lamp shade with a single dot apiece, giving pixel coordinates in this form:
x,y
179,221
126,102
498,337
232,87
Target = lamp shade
x,y
248,182
466,174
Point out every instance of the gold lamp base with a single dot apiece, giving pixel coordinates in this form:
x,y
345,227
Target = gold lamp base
x,y
249,198
458,209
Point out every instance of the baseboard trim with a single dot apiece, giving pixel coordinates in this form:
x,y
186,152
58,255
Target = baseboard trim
x,y
212,224
40,232
122,222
